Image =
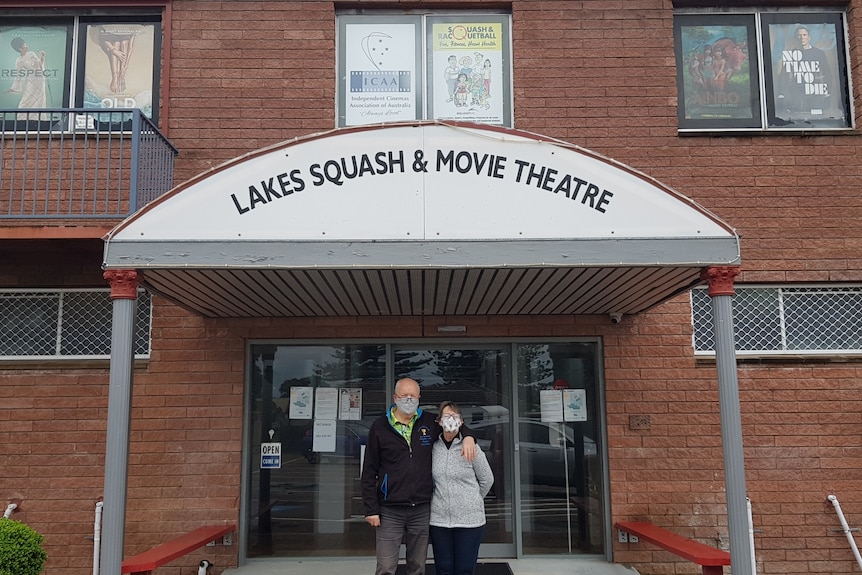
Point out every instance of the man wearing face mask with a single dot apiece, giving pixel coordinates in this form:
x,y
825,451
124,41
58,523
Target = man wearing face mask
x,y
396,478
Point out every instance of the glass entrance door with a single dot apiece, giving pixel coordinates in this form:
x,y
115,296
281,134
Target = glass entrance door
x,y
561,493
478,379
534,407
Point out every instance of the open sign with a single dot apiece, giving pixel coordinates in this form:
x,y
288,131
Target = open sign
x,y
270,455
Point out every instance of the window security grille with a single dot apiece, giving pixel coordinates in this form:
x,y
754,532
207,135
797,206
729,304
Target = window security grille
x,y
784,321
65,324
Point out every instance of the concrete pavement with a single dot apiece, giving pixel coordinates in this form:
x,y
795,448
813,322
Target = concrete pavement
x,y
570,565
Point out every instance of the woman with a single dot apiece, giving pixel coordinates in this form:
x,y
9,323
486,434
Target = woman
x,y
458,506
30,79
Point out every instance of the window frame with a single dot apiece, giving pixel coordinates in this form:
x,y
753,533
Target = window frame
x,y
425,75
777,312
762,79
51,331
77,76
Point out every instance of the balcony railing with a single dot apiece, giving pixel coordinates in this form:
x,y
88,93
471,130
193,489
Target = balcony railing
x,y
81,163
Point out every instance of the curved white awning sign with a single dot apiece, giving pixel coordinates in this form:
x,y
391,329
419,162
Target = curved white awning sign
x,y
425,218
424,181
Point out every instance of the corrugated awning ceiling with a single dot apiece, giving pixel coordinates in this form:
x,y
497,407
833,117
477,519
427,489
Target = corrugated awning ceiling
x,y
420,219
387,292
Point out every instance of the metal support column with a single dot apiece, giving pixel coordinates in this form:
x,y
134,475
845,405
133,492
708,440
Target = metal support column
x,y
124,293
721,292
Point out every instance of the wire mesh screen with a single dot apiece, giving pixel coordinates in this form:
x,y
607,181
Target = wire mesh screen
x,y
65,324
775,320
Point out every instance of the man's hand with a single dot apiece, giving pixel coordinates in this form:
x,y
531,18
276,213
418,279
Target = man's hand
x,y
468,448
374,520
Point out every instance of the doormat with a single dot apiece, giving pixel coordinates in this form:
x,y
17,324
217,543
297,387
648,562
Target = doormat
x,y
481,569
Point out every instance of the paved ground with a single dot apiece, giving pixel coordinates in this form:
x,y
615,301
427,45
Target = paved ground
x,y
537,566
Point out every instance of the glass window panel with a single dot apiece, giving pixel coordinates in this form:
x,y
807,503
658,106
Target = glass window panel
x,y
478,380
29,324
560,469
311,505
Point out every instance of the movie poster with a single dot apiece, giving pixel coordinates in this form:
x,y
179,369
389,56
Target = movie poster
x,y
380,73
717,72
119,67
466,77
804,66
34,68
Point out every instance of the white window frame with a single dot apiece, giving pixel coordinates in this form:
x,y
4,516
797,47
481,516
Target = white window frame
x,y
416,45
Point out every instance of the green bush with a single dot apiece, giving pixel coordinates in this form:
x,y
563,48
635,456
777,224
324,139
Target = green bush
x,y
21,550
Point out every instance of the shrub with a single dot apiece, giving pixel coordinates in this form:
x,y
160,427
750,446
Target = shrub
x,y
21,550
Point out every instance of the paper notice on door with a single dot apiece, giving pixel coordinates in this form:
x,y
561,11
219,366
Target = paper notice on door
x,y
324,436
350,403
551,404
326,403
301,402
575,404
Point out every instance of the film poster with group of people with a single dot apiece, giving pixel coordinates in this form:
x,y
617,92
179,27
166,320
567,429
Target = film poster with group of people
x,y
719,71
464,75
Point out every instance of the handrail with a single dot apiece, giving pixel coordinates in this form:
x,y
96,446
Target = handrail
x,y
81,163
846,528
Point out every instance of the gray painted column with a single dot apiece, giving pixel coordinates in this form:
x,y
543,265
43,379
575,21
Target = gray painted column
x,y
124,293
721,291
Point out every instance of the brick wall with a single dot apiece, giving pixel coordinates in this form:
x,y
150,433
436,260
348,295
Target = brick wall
x,y
599,74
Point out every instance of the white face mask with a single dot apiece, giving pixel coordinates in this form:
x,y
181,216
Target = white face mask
x,y
407,405
450,423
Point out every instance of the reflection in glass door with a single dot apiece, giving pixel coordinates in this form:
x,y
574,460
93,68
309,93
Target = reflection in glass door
x,y
548,495
561,495
311,504
478,379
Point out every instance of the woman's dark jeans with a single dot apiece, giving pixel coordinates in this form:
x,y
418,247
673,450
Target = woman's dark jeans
x,y
456,549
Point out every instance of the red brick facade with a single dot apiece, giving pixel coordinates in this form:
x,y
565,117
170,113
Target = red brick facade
x,y
596,73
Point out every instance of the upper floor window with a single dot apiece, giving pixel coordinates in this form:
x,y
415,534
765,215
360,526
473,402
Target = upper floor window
x,y
425,66
76,61
776,71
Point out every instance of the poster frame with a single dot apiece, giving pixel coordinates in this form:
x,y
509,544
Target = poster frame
x,y
119,122
708,26
777,116
344,76
7,30
502,78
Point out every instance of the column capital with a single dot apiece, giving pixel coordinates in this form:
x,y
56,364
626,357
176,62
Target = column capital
x,y
124,283
720,279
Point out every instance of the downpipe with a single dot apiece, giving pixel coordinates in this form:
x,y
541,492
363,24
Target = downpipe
x,y
97,537
846,528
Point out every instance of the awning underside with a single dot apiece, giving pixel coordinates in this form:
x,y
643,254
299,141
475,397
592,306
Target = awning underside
x,y
420,292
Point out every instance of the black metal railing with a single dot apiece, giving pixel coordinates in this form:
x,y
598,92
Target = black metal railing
x,y
81,163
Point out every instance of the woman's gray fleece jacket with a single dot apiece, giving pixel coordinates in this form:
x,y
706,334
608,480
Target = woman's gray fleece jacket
x,y
460,487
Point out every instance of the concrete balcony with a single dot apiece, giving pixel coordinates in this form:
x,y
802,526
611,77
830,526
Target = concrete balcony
x,y
79,167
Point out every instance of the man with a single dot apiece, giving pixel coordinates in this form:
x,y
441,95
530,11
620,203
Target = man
x,y
396,479
807,77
